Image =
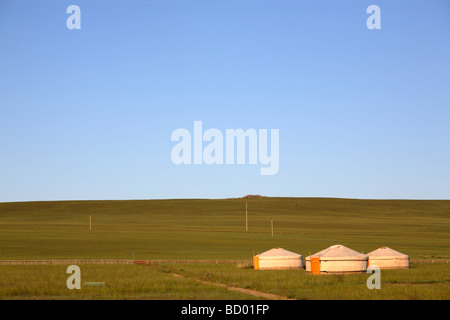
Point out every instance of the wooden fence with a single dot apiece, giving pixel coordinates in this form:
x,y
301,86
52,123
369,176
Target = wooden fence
x,y
119,261
157,261
430,261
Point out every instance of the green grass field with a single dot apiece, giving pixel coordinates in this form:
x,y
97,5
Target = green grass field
x,y
121,282
215,229
422,281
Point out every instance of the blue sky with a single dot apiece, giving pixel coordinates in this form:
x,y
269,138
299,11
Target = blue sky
x,y
88,114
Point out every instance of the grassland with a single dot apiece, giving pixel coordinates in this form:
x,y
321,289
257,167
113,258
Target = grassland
x,y
215,229
422,281
129,282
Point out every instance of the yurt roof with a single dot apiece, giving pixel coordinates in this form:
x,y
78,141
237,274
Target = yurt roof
x,y
339,252
278,253
387,253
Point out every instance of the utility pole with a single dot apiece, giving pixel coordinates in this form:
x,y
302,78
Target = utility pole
x,y
271,224
246,217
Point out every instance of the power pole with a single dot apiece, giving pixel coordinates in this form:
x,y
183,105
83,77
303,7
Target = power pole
x,y
271,224
246,217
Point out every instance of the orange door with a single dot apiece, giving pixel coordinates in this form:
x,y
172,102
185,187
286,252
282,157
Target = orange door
x,y
315,265
256,262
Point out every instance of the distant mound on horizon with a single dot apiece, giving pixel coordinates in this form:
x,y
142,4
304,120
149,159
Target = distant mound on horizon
x,y
253,196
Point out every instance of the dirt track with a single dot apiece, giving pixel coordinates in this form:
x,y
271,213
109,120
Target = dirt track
x,y
255,293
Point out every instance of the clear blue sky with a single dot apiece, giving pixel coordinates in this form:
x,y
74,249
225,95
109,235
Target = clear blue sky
x,y
88,114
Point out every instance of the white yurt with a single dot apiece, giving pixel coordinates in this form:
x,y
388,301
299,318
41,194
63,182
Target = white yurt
x,y
276,259
336,259
387,258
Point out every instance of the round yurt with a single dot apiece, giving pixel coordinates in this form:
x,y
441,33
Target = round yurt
x,y
277,259
336,259
387,258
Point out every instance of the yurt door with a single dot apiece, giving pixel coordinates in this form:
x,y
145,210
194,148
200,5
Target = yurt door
x,y
256,262
315,265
